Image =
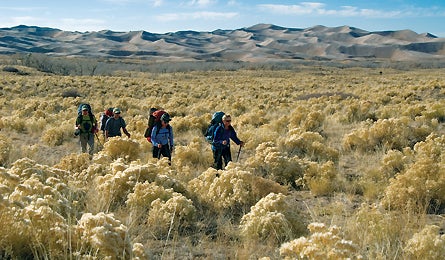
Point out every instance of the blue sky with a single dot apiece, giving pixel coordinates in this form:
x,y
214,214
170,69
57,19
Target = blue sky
x,y
161,16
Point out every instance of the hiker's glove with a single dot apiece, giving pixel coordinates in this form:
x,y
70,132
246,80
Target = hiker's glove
x,y
77,132
241,143
149,139
128,135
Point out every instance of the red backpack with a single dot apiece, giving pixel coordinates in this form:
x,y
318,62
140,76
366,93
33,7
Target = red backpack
x,y
154,119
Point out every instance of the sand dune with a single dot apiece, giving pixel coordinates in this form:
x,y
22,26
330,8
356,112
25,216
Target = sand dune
x,y
261,42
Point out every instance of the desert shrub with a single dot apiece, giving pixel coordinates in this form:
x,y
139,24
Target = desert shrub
x,y
426,244
5,149
357,111
74,163
10,69
55,136
113,188
175,213
310,145
73,93
311,121
233,189
273,219
270,163
378,232
423,182
320,179
375,180
13,123
117,147
102,234
194,154
189,122
323,243
383,132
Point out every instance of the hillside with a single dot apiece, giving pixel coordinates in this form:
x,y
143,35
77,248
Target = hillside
x,y
258,43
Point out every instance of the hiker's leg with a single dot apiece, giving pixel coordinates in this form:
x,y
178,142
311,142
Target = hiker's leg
x,y
227,155
217,159
166,152
156,152
83,142
91,144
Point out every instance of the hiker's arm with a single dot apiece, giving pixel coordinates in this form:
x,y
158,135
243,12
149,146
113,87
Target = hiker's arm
x,y
154,141
172,144
126,132
106,134
235,138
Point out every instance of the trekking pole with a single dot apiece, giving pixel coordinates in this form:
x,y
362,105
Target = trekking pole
x,y
98,140
239,151
159,153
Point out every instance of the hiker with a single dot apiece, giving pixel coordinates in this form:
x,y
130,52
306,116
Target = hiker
x,y
221,142
104,117
86,128
162,138
151,123
114,125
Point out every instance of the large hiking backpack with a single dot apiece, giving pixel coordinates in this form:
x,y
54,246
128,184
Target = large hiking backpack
x,y
154,120
90,113
104,117
216,121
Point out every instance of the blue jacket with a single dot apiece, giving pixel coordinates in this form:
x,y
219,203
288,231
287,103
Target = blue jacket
x,y
164,137
222,134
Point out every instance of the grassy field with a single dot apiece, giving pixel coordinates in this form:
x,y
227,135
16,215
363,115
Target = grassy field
x,y
337,163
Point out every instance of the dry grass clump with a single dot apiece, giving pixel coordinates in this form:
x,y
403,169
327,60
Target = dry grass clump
x,y
423,182
118,147
196,153
310,145
113,188
270,163
57,135
232,188
426,244
74,163
357,111
175,214
323,243
374,181
101,235
34,221
306,119
381,134
5,148
320,179
273,219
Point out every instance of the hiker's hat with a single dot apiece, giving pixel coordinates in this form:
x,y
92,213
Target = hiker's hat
x,y
165,117
84,107
116,110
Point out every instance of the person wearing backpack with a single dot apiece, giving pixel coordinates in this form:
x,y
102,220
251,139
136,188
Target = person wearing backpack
x,y
162,138
114,124
221,142
151,122
86,127
104,117
214,123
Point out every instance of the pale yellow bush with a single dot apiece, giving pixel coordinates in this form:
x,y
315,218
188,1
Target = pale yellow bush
x,y
272,218
310,145
357,111
234,187
382,134
74,163
5,148
378,232
426,244
270,163
423,181
303,117
175,213
118,147
323,243
102,234
194,154
145,193
57,135
321,179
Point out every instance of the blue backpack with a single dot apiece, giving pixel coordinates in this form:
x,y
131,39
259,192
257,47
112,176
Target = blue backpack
x,y
216,121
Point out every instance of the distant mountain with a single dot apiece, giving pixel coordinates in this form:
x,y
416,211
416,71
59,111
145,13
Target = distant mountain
x,y
261,42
